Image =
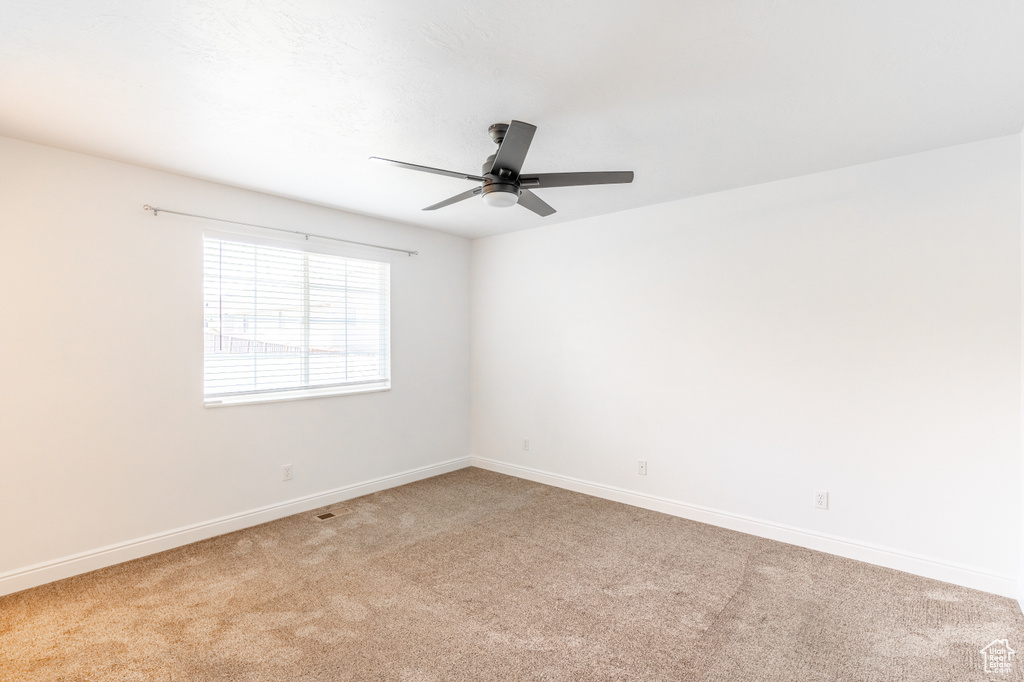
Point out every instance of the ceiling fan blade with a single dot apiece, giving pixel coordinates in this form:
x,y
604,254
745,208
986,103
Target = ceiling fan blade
x,y
533,202
576,179
455,199
428,169
512,151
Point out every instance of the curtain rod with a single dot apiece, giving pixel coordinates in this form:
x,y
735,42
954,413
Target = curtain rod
x,y
307,235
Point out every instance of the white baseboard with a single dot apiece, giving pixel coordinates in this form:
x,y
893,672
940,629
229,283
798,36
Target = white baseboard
x,y
929,567
83,562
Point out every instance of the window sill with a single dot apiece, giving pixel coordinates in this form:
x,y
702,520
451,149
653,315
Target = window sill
x,y
303,394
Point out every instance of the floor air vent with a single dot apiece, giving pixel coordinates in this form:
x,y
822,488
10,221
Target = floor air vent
x,y
323,516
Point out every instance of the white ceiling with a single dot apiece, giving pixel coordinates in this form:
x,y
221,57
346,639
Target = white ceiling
x,y
291,97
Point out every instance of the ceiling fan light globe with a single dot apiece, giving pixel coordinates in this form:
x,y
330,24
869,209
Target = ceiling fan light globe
x,y
501,199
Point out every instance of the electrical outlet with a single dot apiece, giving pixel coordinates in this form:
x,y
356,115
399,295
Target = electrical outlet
x,y
286,472
526,444
641,467
821,499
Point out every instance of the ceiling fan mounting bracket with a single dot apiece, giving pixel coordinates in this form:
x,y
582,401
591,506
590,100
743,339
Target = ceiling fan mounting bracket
x,y
497,132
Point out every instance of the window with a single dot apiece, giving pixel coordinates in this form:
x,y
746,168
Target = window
x,y
281,323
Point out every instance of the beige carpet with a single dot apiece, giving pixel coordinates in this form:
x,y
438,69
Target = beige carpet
x,y
478,576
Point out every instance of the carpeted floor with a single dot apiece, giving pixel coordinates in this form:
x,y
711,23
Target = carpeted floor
x,y
478,576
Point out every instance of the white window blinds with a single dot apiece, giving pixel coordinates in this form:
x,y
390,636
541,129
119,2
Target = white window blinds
x,y
287,323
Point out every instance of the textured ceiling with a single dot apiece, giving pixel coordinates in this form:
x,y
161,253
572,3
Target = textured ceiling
x,y
696,97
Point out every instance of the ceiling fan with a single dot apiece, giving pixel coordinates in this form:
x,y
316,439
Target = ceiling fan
x,y
503,184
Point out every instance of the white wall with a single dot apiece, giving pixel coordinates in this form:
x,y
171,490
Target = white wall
x,y
103,435
857,331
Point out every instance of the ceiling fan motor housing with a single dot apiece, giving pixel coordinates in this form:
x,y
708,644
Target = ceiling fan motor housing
x,y
501,187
